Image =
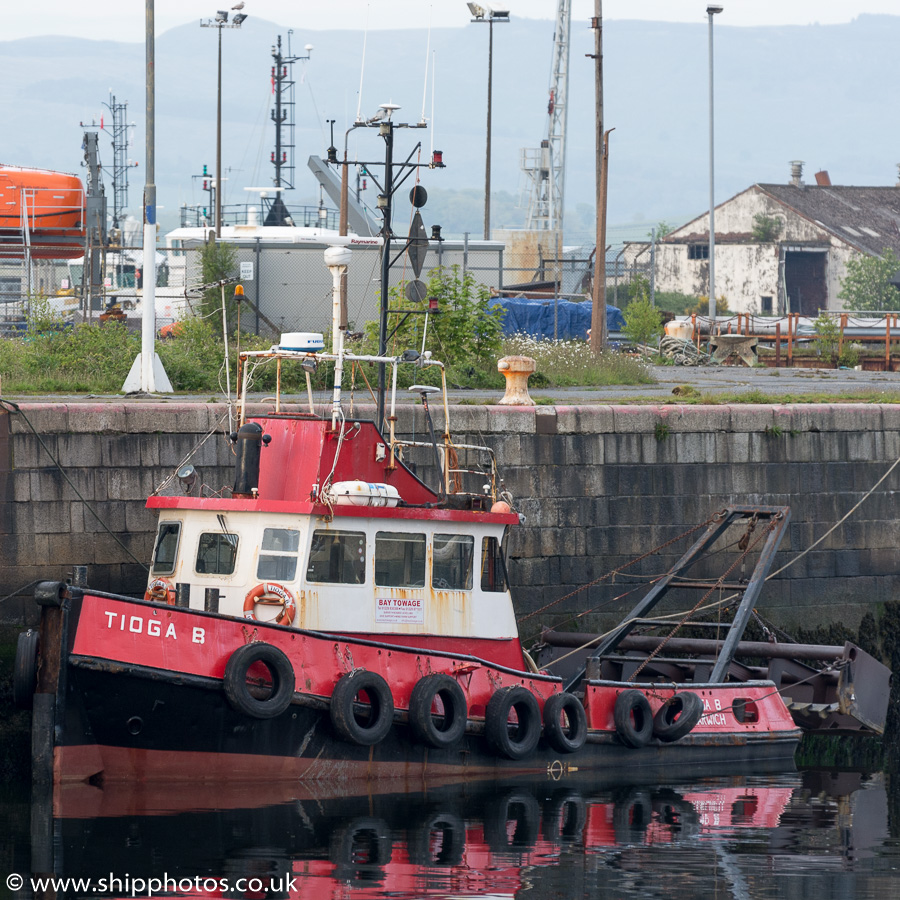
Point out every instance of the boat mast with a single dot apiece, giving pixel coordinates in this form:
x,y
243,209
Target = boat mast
x,y
283,114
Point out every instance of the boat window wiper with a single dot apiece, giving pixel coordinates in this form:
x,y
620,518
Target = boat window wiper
x,y
231,539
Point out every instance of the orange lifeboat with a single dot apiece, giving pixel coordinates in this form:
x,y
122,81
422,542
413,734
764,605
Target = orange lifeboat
x,y
46,207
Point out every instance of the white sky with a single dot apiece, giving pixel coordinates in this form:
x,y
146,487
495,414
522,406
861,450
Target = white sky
x,y
125,20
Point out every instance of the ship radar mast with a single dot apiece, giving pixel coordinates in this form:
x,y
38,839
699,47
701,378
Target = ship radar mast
x,y
283,87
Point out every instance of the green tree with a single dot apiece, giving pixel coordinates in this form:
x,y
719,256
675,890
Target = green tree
x,y
867,284
219,261
827,338
643,322
465,333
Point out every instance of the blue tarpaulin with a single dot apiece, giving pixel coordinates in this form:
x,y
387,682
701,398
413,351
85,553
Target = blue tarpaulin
x,y
535,317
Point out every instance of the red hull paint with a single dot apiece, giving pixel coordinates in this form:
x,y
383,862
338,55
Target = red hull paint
x,y
182,641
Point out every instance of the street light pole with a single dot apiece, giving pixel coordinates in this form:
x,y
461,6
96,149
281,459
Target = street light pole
x,y
712,10
220,22
486,14
487,163
219,144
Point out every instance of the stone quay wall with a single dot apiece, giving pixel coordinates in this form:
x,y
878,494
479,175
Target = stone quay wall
x,y
598,485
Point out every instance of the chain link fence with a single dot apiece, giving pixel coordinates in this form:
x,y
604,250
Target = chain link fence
x,y
289,287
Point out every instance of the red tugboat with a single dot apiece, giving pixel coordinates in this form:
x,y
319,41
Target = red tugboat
x,y
337,618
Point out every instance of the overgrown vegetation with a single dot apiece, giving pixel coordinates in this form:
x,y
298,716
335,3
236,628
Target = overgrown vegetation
x,y
643,322
867,284
218,262
765,229
674,302
701,307
55,357
465,333
756,396
572,364
827,339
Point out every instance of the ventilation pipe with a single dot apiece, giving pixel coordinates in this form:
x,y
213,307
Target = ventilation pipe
x,y
822,178
797,172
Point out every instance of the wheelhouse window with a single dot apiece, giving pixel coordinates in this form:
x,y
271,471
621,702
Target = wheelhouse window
x,y
166,551
216,553
278,554
451,562
337,557
399,559
493,566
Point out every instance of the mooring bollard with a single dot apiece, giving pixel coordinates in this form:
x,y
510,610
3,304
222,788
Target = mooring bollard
x,y
516,369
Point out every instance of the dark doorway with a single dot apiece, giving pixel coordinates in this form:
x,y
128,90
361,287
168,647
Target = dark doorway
x,y
804,281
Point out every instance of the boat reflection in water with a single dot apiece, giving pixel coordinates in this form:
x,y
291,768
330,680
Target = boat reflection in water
x,y
469,840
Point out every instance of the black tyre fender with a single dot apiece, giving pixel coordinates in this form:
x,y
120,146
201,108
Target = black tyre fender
x,y
633,718
565,816
519,808
360,850
631,816
565,738
439,731
25,671
677,716
447,850
512,741
358,722
243,696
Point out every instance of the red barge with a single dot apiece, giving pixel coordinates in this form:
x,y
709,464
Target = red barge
x,y
336,618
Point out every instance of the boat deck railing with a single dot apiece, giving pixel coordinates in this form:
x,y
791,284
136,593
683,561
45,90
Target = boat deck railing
x,y
465,469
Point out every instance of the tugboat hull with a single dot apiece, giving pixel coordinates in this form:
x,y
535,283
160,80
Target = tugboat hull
x,y
125,717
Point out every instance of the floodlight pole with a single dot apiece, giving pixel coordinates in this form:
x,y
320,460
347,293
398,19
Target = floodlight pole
x,y
490,17
219,143
219,23
712,10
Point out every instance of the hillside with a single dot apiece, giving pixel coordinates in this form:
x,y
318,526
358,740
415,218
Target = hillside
x,y
823,94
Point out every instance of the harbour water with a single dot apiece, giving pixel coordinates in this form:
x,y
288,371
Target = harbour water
x,y
815,833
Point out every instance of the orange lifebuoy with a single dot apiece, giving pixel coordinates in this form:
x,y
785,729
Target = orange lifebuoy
x,y
266,590
159,589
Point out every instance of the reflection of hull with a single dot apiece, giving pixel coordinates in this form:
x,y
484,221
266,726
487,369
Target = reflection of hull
x,y
49,206
462,840
129,718
480,836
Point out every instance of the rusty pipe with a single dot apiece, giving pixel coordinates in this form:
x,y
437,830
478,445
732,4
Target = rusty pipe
x,y
705,646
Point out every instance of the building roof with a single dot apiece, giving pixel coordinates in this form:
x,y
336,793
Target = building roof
x,y
867,218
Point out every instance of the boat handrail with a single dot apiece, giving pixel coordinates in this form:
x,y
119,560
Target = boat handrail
x,y
420,361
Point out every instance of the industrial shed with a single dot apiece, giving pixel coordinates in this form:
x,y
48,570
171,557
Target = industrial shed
x,y
798,266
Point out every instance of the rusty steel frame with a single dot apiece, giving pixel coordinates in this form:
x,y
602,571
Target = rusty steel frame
x,y
778,517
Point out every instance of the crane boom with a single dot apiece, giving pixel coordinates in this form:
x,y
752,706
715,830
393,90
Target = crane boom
x,y
545,167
